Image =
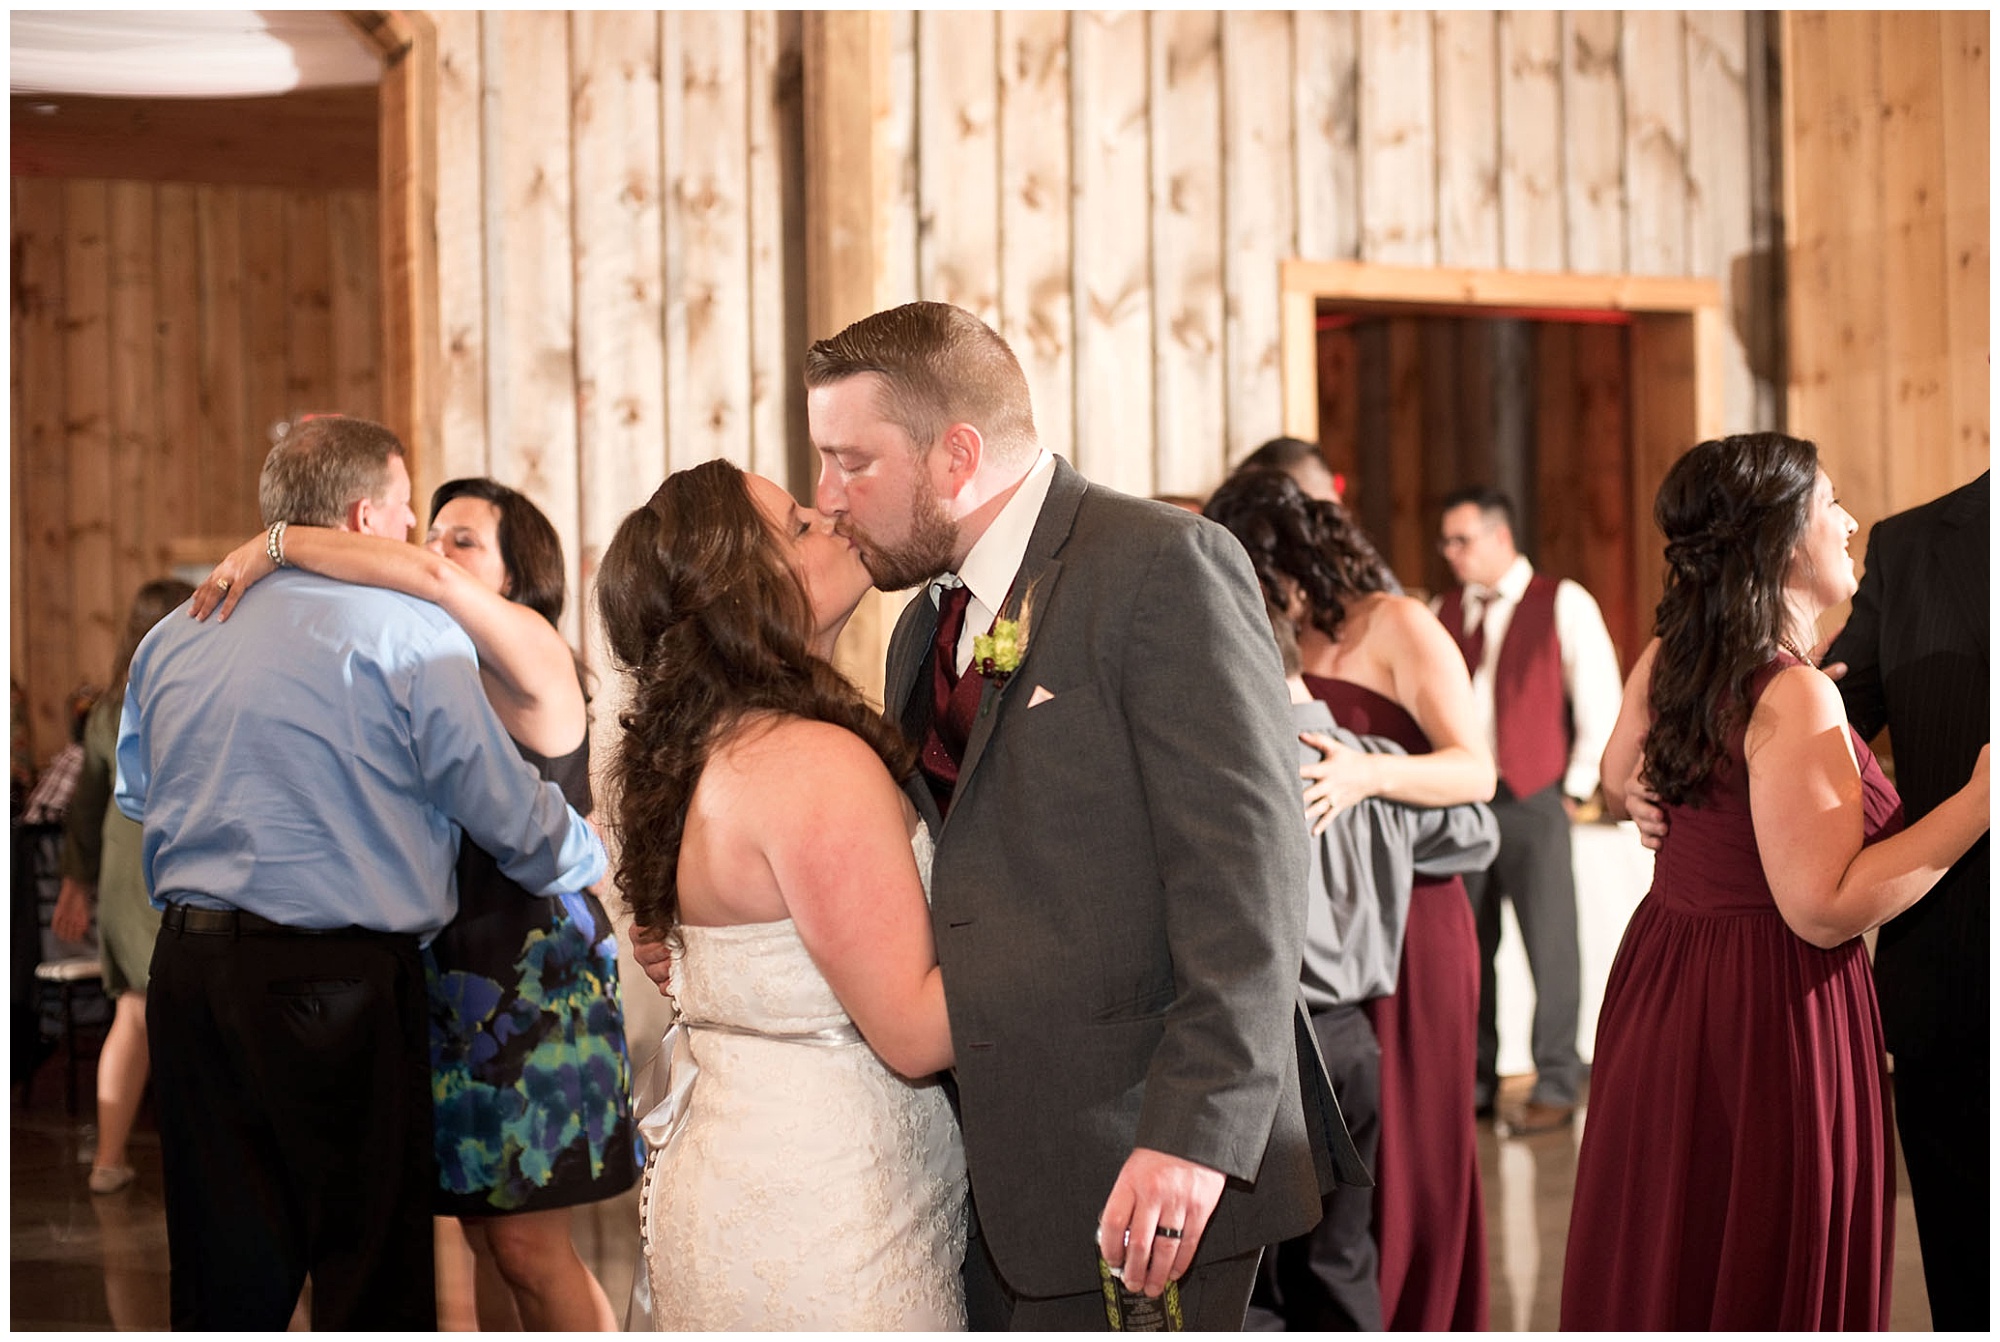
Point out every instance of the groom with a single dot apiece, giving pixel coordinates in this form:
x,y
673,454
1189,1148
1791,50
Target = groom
x,y
1120,875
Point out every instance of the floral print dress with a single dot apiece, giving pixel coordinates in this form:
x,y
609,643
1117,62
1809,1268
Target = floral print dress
x,y
530,1075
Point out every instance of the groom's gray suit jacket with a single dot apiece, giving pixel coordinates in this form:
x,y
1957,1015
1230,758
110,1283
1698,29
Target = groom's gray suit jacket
x,y
1119,893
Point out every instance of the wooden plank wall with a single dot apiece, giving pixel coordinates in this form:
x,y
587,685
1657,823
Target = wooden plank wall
x,y
1205,147
1887,220
160,331
619,257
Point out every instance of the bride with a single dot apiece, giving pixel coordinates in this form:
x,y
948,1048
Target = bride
x,y
813,1177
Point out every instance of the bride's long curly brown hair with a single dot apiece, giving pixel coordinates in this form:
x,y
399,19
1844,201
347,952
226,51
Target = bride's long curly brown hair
x,y
703,609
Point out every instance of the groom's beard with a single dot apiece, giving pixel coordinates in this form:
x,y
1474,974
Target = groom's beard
x,y
922,555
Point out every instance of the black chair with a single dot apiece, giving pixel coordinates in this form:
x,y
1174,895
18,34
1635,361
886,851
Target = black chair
x,y
66,1005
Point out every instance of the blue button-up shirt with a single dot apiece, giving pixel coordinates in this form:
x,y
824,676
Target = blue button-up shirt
x,y
312,760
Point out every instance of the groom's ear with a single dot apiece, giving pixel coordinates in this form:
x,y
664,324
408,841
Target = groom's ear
x,y
963,450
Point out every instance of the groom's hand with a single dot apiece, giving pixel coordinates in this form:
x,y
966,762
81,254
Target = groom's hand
x,y
650,950
1154,1192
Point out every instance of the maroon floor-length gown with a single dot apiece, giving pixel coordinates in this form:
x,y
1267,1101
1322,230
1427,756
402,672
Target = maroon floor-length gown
x,y
1430,1223
1735,1170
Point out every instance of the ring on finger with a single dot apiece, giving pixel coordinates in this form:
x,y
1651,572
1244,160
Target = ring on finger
x,y
1167,1232
222,585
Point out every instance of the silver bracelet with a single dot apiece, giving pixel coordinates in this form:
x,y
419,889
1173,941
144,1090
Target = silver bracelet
x,y
274,544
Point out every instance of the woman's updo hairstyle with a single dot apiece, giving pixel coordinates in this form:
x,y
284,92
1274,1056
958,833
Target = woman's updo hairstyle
x,y
1299,542
1733,511
702,607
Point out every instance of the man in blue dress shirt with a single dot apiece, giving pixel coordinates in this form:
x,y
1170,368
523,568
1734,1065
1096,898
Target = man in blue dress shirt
x,y
303,773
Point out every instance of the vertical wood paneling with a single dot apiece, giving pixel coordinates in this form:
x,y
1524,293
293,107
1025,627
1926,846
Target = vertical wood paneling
x,y
1398,140
1339,400
1406,540
1037,313
620,351
958,160
1326,93
708,196
352,229
177,459
461,253
1593,143
1531,140
1258,215
1468,139
1189,370
531,417
308,303
1441,430
43,584
1915,327
86,349
1656,142
1966,81
1836,278
899,282
777,314
1719,189
267,401
135,422
1601,473
225,494
1113,266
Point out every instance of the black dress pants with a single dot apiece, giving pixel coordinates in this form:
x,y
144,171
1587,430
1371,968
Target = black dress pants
x,y
292,1078
1942,1120
1328,1279
1534,871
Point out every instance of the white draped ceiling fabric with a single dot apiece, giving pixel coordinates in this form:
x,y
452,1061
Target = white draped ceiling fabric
x,y
238,53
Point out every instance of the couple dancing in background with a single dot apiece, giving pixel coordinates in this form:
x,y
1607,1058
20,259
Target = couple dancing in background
x,y
1103,813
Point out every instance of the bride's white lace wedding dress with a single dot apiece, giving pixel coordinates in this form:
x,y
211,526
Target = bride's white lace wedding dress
x,y
808,1185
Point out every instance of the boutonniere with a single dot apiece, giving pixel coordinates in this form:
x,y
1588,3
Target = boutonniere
x,y
997,653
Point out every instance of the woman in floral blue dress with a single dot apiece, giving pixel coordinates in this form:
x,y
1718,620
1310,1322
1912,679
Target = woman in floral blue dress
x,y
531,1079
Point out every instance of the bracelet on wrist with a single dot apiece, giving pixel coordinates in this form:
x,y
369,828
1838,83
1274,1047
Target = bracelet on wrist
x,y
274,544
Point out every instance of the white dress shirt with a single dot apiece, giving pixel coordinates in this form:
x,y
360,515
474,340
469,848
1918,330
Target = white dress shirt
x,y
1591,680
989,568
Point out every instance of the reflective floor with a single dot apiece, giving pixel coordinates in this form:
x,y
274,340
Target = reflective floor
x,y
84,1262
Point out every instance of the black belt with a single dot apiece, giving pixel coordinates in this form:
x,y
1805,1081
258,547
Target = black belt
x,y
237,923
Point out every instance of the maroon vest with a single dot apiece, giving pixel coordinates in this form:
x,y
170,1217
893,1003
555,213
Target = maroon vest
x,y
1531,716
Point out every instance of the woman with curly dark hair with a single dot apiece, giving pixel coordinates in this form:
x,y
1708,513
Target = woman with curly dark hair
x,y
1385,667
1736,1169
813,1177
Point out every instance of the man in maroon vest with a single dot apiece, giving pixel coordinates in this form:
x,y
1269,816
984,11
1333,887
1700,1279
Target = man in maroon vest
x,y
1546,687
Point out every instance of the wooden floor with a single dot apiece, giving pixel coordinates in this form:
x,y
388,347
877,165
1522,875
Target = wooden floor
x,y
83,1262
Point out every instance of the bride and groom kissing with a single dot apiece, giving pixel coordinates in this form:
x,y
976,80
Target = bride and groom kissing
x,y
1096,1019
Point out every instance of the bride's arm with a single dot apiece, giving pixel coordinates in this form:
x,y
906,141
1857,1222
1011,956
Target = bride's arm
x,y
527,669
838,849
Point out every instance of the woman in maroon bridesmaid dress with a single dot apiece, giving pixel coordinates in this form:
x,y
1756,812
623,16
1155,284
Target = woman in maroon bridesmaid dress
x,y
1386,667
1736,1169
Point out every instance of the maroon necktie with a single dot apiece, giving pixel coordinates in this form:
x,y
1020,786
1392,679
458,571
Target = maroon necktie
x,y
951,719
1473,644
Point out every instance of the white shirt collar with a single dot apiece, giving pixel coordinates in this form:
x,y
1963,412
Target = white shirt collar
x,y
996,557
1513,584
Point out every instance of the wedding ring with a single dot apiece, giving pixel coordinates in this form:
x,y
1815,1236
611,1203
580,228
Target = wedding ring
x,y
1168,1232
222,586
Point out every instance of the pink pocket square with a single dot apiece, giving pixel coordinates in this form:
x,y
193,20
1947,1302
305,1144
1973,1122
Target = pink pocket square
x,y
1040,696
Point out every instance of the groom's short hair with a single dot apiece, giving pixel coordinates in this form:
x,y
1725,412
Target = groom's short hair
x,y
939,366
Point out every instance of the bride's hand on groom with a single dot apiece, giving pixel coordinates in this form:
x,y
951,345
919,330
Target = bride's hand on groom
x,y
1156,1192
649,948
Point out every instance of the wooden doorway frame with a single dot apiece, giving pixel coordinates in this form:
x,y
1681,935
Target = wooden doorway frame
x,y
1674,369
411,392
